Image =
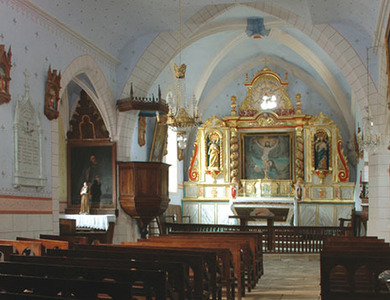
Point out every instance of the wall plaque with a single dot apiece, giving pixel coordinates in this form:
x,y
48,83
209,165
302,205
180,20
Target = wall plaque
x,y
27,143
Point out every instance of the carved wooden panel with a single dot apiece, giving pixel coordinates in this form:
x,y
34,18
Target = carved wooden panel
x,y
52,96
5,69
143,190
86,122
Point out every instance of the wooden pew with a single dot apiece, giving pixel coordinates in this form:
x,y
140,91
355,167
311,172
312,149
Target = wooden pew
x,y
47,244
220,264
255,241
5,252
148,283
44,286
24,247
241,253
350,267
192,260
29,296
71,239
178,283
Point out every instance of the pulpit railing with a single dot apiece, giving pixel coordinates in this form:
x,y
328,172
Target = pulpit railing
x,y
276,239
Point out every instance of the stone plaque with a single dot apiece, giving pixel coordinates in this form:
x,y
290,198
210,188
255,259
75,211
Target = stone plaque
x,y
27,143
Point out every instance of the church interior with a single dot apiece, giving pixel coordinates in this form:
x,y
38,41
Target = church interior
x,y
262,126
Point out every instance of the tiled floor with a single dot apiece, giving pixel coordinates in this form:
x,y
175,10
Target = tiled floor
x,y
288,276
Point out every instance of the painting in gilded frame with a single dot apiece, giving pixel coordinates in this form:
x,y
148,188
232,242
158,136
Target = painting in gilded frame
x,y
267,156
160,136
94,163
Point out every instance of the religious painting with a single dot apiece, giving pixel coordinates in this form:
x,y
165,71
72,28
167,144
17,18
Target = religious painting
x,y
159,141
5,68
52,96
93,163
267,156
321,150
141,130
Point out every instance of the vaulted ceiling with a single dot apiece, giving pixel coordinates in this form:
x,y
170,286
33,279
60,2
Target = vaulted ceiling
x,y
112,24
216,47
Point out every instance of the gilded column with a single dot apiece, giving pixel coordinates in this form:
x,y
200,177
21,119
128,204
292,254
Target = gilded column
x,y
299,158
234,155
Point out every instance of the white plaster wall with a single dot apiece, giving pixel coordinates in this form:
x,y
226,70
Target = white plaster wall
x,y
379,164
27,33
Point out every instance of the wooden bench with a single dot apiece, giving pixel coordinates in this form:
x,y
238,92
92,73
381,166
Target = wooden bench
x,y
71,239
240,249
29,296
255,240
192,260
350,267
148,283
5,252
24,247
177,286
45,286
219,262
46,243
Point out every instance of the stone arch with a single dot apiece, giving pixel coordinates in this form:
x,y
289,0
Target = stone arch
x,y
127,122
101,96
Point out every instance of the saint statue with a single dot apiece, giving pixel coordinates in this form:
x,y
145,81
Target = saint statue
x,y
84,193
321,150
213,153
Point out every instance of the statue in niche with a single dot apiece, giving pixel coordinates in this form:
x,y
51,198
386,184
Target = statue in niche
x,y
52,100
321,151
52,95
213,153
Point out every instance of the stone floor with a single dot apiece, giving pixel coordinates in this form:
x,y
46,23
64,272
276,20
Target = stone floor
x,y
288,276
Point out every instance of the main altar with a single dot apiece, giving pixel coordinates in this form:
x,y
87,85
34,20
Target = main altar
x,y
268,158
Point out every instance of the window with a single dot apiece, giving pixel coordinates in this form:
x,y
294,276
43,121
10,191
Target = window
x,y
171,159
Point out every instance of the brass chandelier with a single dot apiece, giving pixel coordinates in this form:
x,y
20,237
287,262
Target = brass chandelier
x,y
182,115
368,138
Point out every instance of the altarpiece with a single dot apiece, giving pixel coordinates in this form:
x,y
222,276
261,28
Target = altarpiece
x,y
267,155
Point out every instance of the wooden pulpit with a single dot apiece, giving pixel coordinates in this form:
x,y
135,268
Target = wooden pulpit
x,y
143,191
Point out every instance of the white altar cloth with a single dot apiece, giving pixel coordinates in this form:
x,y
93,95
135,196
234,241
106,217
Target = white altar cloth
x,y
91,221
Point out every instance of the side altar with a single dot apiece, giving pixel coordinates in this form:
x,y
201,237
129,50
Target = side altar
x,y
268,157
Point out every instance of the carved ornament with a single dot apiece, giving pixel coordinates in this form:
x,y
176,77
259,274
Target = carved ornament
x,y
86,122
266,92
5,69
52,95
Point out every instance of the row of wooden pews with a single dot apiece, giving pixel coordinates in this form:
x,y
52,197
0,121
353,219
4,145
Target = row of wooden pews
x,y
104,271
245,249
29,271
194,282
178,266
350,267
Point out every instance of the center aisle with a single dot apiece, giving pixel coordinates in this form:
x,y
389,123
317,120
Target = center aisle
x,y
288,276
